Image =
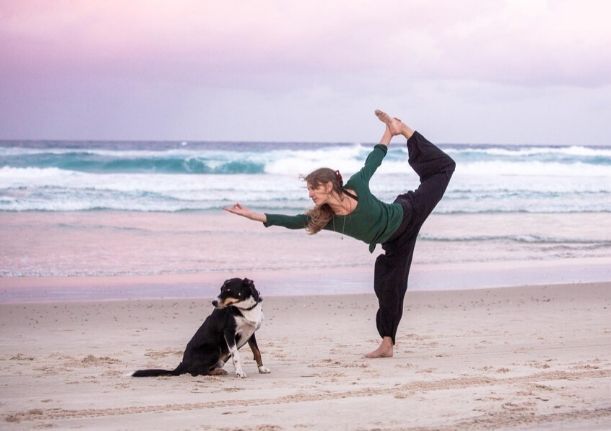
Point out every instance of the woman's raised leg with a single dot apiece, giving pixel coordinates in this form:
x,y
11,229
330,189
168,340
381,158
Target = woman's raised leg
x,y
435,169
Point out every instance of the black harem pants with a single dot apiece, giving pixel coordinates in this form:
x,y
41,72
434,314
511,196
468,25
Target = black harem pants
x,y
435,169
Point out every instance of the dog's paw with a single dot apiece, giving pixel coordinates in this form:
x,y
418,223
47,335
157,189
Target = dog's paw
x,y
241,374
264,370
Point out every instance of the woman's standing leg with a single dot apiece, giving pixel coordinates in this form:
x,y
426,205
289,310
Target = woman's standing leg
x,y
390,284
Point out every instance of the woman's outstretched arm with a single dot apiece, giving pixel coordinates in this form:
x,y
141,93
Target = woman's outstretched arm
x,y
386,137
374,159
245,212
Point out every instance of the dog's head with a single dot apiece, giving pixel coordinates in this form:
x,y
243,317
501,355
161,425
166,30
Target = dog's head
x,y
238,292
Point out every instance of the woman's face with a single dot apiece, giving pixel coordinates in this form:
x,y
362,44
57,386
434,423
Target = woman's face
x,y
320,194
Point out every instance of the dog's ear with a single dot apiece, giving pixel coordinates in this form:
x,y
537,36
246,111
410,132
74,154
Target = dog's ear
x,y
253,289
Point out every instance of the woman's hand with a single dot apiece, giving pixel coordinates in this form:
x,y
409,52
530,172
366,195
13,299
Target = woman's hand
x,y
245,212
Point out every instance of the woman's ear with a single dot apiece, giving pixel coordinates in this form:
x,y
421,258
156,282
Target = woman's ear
x,y
328,187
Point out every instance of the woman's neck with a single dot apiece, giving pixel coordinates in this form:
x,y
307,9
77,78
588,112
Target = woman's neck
x,y
340,204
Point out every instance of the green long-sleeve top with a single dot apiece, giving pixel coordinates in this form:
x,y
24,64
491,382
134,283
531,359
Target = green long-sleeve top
x,y
372,221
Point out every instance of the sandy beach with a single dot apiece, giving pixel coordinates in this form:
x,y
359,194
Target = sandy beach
x,y
506,324
514,358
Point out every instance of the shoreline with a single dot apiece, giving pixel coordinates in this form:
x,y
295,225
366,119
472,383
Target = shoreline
x,y
303,282
69,256
478,291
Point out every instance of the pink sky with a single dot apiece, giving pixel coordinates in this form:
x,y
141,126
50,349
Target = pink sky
x,y
468,71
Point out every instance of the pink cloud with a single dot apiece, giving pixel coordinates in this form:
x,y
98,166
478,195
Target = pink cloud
x,y
220,43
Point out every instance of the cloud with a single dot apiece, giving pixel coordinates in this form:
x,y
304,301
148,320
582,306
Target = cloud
x,y
470,70
270,43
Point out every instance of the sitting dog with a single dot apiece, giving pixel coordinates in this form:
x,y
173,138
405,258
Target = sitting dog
x,y
236,317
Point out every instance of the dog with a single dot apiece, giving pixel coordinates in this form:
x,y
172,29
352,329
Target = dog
x,y
236,317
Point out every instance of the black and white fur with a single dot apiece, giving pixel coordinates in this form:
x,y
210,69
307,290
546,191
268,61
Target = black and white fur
x,y
236,317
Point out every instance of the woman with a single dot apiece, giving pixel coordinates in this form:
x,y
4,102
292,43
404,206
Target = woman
x,y
352,210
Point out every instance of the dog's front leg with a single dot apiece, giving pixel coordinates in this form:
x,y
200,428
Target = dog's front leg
x,y
252,342
235,355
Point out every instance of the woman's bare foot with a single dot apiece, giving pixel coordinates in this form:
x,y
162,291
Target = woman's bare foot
x,y
384,350
394,124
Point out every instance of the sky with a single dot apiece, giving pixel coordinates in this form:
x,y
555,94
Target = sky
x,y
469,71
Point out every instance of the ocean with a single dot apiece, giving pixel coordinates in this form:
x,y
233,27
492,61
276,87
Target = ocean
x,y
154,209
205,176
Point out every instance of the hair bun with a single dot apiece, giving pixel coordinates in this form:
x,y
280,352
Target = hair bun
x,y
339,179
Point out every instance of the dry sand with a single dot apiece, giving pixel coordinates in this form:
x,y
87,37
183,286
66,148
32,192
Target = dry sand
x,y
514,358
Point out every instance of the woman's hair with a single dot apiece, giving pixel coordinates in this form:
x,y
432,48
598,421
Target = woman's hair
x,y
319,216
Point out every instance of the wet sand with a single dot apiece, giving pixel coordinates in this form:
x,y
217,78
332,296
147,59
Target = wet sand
x,y
103,255
515,358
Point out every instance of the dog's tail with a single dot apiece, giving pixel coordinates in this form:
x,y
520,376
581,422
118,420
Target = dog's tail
x,y
156,372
